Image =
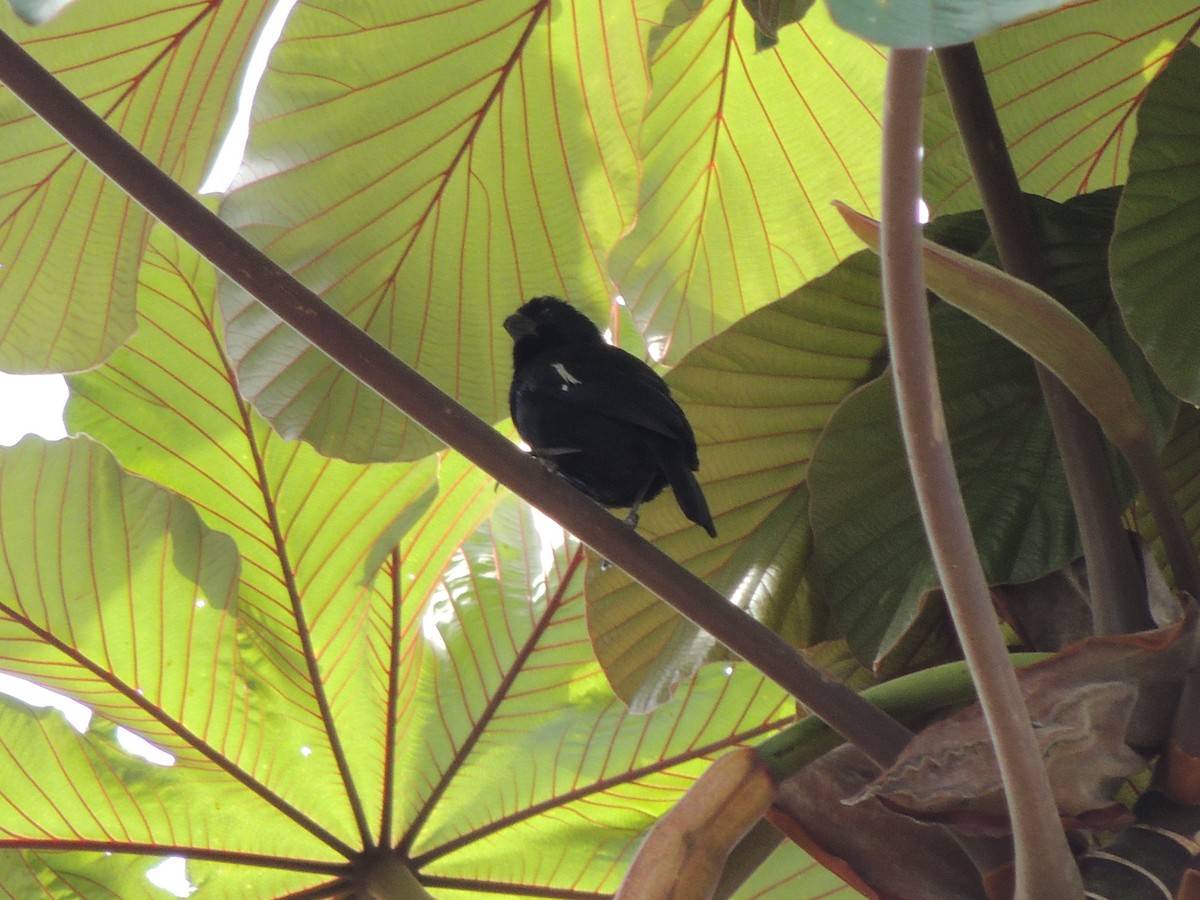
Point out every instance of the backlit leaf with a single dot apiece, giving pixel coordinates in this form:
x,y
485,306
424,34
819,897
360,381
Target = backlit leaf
x,y
167,78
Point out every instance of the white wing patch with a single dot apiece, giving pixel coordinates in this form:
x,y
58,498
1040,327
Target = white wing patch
x,y
567,377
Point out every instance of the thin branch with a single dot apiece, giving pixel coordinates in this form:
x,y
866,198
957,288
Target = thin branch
x,y
878,735
1044,867
1114,575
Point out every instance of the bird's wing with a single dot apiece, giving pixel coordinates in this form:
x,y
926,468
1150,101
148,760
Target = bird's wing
x,y
610,382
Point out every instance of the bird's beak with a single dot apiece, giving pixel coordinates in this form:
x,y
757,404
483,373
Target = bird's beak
x,y
518,326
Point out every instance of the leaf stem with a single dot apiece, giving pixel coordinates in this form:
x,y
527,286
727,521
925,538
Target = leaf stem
x,y
872,731
483,719
1043,862
394,570
287,571
176,727
188,851
1114,576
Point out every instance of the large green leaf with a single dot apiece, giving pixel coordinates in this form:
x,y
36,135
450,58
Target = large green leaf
x,y
99,540
743,152
438,672
93,818
168,407
442,663
511,677
123,599
167,78
1065,85
870,549
1035,322
1158,226
1181,465
508,131
514,678
426,171
758,396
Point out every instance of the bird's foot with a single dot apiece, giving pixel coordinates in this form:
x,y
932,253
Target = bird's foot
x,y
548,456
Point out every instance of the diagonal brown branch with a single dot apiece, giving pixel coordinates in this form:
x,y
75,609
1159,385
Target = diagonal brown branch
x,y
877,734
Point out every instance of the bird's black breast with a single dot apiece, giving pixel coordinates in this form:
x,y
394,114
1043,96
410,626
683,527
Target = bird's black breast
x,y
603,419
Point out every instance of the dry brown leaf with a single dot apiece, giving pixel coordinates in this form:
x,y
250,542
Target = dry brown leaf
x,y
948,774
684,854
1050,612
1090,704
880,853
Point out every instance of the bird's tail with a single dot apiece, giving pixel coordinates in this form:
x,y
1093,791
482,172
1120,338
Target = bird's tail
x,y
687,492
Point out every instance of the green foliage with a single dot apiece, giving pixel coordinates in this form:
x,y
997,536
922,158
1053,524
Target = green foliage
x,y
69,302
871,557
1158,225
760,393
356,639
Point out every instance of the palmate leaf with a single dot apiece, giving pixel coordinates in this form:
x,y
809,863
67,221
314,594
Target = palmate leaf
x,y
91,818
526,747
743,152
426,171
167,405
70,241
590,776
304,533
461,688
95,532
508,164
1066,85
122,598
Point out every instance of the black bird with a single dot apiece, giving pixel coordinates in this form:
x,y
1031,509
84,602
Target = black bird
x,y
597,415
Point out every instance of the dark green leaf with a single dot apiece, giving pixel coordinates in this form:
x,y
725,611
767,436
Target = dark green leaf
x,y
870,548
1154,263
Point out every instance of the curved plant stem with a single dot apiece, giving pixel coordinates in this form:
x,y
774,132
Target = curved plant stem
x,y
1044,867
872,731
1114,574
